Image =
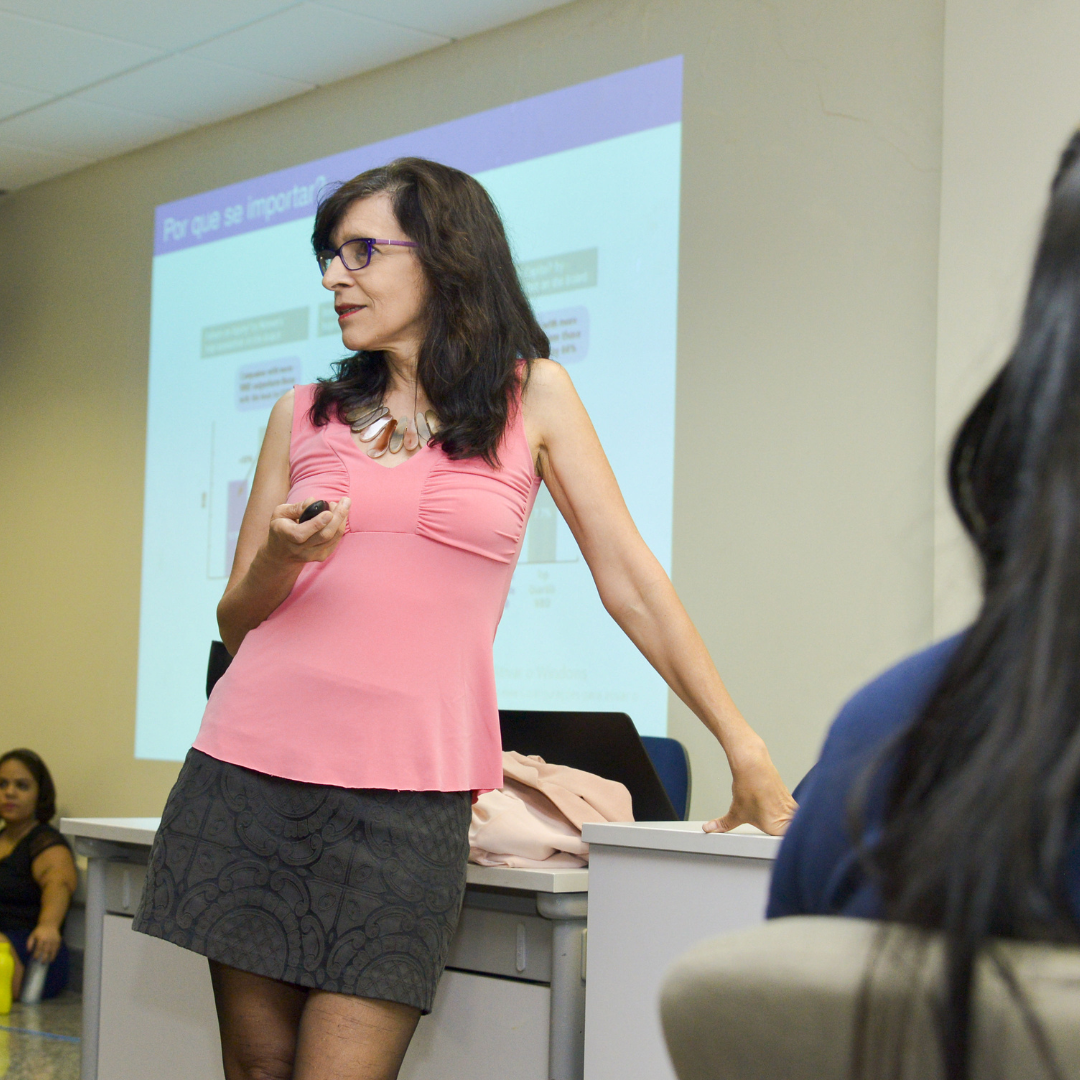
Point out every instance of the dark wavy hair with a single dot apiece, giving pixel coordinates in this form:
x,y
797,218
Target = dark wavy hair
x,y
981,814
46,800
479,323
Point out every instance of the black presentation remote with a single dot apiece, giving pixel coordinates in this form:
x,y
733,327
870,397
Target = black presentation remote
x,y
316,508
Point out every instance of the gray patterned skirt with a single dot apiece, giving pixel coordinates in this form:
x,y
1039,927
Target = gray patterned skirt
x,y
351,891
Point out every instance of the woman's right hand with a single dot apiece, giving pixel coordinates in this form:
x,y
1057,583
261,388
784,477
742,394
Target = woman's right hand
x,y
290,541
273,546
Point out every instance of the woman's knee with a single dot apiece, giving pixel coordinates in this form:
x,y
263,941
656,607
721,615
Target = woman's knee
x,y
258,1019
258,1051
256,1064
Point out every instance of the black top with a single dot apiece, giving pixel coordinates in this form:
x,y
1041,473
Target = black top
x,y
20,894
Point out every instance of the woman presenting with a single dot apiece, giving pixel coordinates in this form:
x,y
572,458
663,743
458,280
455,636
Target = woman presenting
x,y
315,844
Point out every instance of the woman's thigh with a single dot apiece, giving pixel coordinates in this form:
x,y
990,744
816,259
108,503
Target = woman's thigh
x,y
259,1019
352,1038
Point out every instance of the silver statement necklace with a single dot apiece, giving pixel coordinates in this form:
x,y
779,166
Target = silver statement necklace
x,y
374,424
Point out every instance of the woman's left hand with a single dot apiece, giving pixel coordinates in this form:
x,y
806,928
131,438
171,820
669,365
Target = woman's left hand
x,y
44,943
758,796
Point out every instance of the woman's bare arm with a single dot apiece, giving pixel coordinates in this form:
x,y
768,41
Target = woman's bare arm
x,y
638,594
273,546
54,872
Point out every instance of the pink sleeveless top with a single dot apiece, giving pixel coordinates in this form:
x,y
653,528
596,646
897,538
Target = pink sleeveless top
x,y
377,670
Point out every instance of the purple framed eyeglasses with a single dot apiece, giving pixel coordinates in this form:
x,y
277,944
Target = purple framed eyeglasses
x,y
356,254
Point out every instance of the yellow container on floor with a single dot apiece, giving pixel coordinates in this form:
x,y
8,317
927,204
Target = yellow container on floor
x,y
7,973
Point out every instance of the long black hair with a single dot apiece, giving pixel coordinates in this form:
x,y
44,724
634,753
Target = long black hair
x,y
479,323
981,813
45,810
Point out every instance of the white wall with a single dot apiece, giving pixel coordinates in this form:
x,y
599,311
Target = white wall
x,y
1011,100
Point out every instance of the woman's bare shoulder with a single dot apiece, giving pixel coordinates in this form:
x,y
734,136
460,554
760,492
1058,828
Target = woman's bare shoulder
x,y
281,415
548,384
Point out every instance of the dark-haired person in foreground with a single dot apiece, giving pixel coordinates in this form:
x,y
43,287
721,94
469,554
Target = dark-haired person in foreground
x,y
37,872
315,844
946,795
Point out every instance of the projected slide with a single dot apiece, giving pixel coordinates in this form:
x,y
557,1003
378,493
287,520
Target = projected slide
x,y
587,180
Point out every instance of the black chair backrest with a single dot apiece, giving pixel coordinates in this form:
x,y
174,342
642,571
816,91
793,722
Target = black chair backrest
x,y
598,742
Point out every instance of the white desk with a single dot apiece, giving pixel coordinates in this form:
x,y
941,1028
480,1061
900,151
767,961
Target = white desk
x,y
654,890
511,1005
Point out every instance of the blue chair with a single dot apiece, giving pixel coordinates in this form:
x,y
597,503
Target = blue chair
x,y
672,764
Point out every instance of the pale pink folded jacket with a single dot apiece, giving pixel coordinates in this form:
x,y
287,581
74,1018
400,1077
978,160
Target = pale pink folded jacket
x,y
534,821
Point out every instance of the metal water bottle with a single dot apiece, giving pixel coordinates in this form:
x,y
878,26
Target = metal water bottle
x,y
34,982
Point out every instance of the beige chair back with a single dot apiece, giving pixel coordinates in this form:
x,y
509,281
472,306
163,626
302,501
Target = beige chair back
x,y
780,1002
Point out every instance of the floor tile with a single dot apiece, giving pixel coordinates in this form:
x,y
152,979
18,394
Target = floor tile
x,y
41,1042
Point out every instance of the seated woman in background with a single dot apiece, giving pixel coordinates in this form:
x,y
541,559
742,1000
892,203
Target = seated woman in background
x,y
946,795
37,872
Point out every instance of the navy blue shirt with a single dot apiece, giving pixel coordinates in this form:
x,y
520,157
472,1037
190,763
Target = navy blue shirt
x,y
816,871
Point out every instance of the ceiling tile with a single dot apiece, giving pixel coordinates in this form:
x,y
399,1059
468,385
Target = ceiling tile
x,y
13,99
21,167
454,20
317,44
106,57
54,59
84,129
193,90
163,24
